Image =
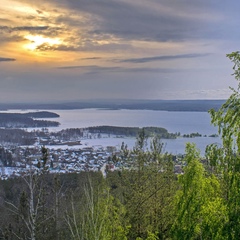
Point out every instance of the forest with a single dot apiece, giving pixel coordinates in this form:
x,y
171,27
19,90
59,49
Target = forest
x,y
146,200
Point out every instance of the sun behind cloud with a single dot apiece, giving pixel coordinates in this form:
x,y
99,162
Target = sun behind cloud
x,y
36,41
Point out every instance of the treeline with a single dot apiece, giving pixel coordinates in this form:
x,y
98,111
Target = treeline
x,y
11,136
6,158
16,137
132,131
18,120
68,134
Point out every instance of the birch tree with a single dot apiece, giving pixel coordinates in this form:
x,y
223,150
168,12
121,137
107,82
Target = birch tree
x,y
32,211
101,216
225,159
200,212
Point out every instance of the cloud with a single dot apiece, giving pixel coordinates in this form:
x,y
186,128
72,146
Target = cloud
x,y
11,38
91,58
94,69
39,12
18,33
136,40
162,21
5,20
108,26
150,21
7,59
30,28
91,68
158,21
56,47
163,58
222,93
24,28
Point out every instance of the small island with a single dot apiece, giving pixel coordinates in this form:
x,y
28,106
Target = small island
x,y
27,120
197,134
192,135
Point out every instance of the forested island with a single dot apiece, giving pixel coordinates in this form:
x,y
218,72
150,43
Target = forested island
x,y
133,131
41,114
27,120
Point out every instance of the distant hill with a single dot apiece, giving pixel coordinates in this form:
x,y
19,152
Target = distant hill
x,y
163,105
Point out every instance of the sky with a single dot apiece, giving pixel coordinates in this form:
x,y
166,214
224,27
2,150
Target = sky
x,y
69,50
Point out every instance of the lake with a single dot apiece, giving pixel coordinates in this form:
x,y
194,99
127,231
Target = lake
x,y
183,122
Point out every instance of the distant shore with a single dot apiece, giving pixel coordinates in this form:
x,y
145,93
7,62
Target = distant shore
x,y
158,105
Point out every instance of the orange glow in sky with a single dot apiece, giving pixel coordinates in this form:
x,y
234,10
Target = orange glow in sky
x,y
116,49
37,41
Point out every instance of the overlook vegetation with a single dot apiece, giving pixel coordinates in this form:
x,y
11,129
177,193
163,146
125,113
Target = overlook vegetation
x,y
146,200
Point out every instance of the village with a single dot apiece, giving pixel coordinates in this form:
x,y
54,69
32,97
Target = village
x,y
18,161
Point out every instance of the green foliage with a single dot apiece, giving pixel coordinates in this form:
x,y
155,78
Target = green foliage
x,y
227,117
146,188
150,236
102,219
225,160
101,216
199,208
